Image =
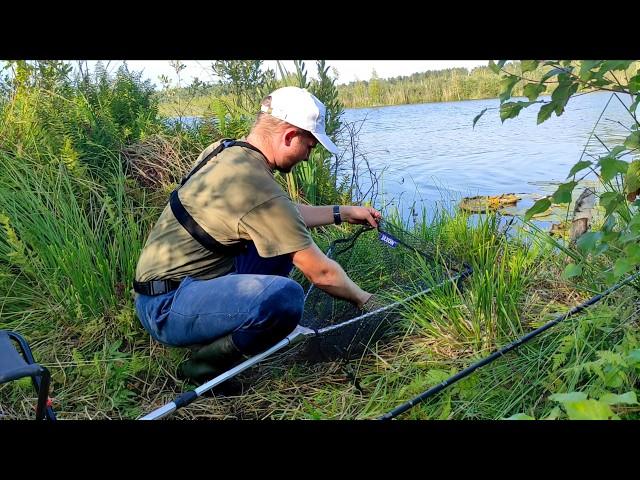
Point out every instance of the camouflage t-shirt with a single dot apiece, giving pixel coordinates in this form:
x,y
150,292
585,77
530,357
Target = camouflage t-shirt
x,y
233,197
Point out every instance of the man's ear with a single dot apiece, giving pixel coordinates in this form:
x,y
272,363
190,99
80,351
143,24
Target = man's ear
x,y
288,135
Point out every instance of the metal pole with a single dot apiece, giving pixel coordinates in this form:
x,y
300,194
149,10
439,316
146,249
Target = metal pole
x,y
186,398
459,276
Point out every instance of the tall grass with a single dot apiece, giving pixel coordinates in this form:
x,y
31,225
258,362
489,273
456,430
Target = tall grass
x,y
584,353
68,250
487,309
72,237
71,229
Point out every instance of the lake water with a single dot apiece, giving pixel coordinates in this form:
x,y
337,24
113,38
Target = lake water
x,y
431,155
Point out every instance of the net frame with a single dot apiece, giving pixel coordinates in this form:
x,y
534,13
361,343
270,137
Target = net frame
x,y
340,330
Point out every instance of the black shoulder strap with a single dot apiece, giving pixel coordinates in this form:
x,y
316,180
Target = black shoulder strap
x,y
226,143
196,231
205,160
189,223
249,146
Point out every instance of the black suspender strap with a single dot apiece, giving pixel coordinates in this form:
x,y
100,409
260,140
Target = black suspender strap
x,y
205,160
196,231
223,144
189,223
249,146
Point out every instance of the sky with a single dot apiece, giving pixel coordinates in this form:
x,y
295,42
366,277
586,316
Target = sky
x,y
347,70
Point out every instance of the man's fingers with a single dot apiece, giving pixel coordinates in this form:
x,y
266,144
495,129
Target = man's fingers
x,y
372,220
371,216
376,216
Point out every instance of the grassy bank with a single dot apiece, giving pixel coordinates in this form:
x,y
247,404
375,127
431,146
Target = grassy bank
x,y
106,366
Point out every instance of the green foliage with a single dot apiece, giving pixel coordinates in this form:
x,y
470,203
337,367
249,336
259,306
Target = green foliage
x,y
587,409
73,238
610,167
477,117
533,90
487,310
178,101
584,368
563,193
82,119
588,241
327,92
511,109
529,65
71,228
572,270
578,407
540,206
545,112
374,89
243,85
579,167
244,81
632,142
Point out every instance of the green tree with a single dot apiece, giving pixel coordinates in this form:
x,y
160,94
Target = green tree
x,y
374,88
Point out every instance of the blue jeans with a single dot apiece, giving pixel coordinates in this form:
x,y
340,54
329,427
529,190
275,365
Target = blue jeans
x,y
256,303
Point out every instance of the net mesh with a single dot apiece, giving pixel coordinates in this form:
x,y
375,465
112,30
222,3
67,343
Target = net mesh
x,y
391,263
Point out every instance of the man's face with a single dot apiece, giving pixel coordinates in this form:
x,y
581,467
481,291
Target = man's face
x,y
298,150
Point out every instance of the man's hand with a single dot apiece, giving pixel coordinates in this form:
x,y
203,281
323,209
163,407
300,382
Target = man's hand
x,y
373,303
360,215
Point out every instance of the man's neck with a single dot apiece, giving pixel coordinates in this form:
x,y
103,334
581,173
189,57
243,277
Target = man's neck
x,y
260,142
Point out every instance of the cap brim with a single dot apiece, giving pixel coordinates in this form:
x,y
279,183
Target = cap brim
x,y
326,142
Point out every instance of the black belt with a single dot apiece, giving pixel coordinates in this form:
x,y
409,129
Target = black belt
x,y
155,287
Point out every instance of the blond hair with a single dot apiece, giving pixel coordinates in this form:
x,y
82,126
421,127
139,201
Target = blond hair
x,y
266,122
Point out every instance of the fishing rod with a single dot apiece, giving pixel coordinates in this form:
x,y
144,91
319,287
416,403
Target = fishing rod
x,y
472,368
299,334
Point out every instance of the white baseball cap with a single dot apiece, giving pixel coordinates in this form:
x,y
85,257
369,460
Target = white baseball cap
x,y
300,108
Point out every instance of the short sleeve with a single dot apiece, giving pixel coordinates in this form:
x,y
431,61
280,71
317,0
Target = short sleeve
x,y
276,228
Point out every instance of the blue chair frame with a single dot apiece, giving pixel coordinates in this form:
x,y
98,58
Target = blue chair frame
x,y
15,365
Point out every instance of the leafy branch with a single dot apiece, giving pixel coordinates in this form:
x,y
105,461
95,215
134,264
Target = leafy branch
x,y
620,178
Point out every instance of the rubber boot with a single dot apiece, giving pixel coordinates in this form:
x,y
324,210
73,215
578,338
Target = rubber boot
x,y
221,352
212,360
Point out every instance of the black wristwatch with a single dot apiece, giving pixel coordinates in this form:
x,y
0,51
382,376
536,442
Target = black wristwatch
x,y
337,219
